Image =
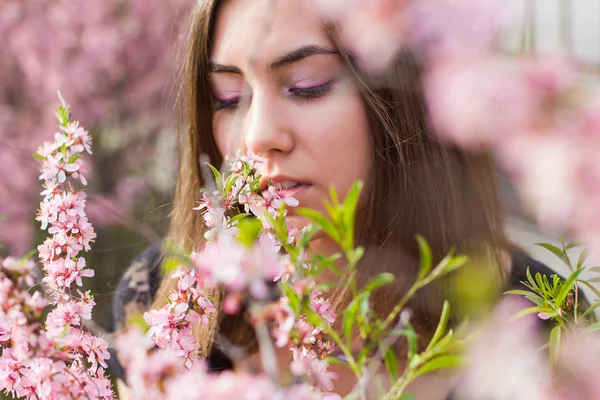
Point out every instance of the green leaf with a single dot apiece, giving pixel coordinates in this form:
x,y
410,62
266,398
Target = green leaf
x,y
364,307
218,178
307,235
582,257
138,319
333,196
314,318
170,265
231,179
378,281
291,296
530,279
249,229
591,308
445,361
167,298
572,245
349,318
321,221
591,287
441,327
539,280
325,286
334,211
455,263
28,255
406,396
593,328
238,217
534,310
595,269
518,292
349,213
411,337
391,364
554,344
39,157
528,295
567,287
554,250
355,255
334,361
425,255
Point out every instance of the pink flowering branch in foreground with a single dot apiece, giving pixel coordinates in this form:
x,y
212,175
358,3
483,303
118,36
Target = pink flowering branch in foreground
x,y
57,359
268,273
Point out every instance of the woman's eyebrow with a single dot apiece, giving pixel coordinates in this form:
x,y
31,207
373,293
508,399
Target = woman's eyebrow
x,y
286,59
298,54
216,68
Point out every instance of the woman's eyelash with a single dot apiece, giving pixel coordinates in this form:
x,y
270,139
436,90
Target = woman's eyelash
x,y
223,104
307,93
313,91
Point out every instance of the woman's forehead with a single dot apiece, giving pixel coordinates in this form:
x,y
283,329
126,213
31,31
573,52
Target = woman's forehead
x,y
258,31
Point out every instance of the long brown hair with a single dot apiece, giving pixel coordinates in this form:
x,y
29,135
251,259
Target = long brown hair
x,y
417,185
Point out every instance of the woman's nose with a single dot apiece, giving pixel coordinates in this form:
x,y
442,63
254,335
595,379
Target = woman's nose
x,y
268,128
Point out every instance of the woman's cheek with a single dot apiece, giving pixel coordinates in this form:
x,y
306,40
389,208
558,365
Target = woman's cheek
x,y
221,134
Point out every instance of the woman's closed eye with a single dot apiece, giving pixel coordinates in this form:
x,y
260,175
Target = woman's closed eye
x,y
229,103
303,90
311,91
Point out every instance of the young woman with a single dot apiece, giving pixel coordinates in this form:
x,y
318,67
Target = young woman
x,y
271,77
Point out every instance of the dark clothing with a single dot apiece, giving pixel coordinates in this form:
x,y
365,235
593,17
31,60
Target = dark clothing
x,y
140,282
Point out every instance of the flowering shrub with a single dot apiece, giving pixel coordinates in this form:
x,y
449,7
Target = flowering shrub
x,y
526,109
113,59
247,233
58,359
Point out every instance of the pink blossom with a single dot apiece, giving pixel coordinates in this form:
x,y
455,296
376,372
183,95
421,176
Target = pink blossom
x,y
96,349
273,199
314,368
323,308
76,137
505,359
5,327
165,322
207,203
56,168
204,309
63,316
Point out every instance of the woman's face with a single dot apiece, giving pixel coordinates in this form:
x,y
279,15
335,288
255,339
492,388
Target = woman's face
x,y
281,89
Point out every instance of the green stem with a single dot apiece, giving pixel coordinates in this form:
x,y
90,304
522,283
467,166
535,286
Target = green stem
x,y
347,353
390,318
400,385
570,265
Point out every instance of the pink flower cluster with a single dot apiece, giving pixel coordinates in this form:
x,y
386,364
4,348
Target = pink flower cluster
x,y
62,210
58,360
240,269
248,273
171,326
160,375
308,343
